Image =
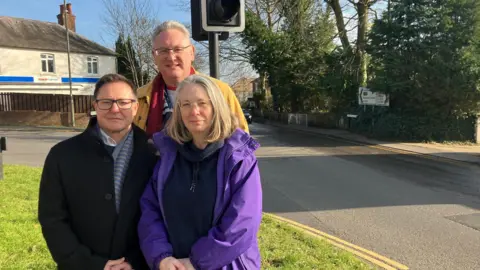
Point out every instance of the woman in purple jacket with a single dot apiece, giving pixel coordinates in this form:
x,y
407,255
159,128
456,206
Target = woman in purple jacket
x,y
203,206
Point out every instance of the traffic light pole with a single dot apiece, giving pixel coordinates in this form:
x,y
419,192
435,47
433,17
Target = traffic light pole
x,y
214,51
3,147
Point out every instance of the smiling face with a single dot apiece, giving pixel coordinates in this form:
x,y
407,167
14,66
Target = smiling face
x,y
173,64
115,119
196,109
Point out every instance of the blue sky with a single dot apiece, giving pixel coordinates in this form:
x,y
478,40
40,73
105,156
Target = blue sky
x,y
88,12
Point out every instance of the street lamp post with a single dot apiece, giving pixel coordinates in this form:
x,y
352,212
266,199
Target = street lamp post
x,y
72,108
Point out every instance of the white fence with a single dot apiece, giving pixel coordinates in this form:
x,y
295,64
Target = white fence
x,y
300,119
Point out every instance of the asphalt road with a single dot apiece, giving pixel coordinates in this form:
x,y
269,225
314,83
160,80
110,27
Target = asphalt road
x,y
419,212
30,146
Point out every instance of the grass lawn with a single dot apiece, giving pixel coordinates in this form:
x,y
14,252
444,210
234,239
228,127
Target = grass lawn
x,y
22,245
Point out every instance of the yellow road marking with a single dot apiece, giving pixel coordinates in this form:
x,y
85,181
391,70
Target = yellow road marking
x,y
363,253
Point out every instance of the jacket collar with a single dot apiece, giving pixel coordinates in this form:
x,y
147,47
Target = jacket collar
x,y
139,136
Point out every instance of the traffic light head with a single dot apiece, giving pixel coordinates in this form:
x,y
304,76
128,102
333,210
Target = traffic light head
x,y
222,12
223,15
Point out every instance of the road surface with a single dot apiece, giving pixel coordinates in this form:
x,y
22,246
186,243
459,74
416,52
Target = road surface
x,y
419,212
30,146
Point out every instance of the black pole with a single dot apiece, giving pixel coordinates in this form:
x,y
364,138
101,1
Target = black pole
x,y
3,147
214,51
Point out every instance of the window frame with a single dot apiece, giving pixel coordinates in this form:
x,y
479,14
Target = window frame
x,y
91,60
47,57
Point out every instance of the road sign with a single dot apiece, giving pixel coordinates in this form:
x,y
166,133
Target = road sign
x,y
368,97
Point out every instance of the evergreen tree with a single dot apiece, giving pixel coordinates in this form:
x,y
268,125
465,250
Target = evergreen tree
x,y
127,61
425,54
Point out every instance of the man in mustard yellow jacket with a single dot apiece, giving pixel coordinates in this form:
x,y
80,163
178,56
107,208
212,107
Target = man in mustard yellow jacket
x,y
173,54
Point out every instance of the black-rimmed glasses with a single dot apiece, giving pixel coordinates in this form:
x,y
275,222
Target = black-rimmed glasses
x,y
123,104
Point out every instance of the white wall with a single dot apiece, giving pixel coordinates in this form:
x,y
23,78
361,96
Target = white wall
x,y
21,62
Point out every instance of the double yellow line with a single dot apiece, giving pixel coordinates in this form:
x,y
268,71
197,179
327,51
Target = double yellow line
x,y
362,253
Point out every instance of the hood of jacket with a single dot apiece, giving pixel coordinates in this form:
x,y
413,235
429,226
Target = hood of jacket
x,y
193,154
239,145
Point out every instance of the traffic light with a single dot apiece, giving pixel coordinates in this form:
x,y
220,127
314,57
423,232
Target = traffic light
x,y
221,16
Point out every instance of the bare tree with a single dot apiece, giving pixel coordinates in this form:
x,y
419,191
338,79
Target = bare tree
x,y
234,61
362,10
267,10
201,54
134,19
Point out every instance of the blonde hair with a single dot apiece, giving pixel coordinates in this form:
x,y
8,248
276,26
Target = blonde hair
x,y
224,122
167,25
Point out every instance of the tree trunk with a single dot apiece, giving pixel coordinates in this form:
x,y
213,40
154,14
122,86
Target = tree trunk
x,y
342,31
360,55
269,15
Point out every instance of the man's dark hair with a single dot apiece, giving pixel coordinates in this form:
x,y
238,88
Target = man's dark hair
x,y
111,78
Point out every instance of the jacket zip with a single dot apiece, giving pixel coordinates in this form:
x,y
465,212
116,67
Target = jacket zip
x,y
196,168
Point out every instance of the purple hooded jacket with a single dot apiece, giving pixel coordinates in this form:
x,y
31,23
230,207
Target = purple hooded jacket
x,y
232,242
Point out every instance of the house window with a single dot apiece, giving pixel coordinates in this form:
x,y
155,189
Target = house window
x,y
92,65
48,63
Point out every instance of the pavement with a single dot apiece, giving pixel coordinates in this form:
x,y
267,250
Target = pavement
x,y
452,153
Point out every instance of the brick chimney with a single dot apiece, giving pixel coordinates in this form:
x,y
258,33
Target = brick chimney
x,y
70,16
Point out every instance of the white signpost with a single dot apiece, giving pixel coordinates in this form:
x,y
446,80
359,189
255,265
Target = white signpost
x,y
367,97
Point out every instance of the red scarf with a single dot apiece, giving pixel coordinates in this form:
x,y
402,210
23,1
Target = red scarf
x,y
157,100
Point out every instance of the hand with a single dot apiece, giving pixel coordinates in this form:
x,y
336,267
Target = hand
x,y
170,263
187,263
122,266
113,263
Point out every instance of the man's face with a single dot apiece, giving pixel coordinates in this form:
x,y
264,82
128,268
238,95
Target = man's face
x,y
173,64
117,116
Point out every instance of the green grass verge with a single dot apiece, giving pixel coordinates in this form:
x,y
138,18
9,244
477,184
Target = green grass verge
x,y
22,245
21,242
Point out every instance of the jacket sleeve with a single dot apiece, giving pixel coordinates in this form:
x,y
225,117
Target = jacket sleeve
x,y
53,216
236,108
237,228
152,231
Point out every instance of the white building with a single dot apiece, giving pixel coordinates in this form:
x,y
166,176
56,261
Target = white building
x,y
33,57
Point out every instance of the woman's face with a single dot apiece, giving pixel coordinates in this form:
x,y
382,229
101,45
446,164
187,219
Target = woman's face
x,y
196,109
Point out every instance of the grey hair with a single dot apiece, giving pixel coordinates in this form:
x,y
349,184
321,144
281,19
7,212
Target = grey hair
x,y
167,25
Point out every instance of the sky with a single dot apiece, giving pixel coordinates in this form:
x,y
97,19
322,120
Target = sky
x,y
88,14
89,22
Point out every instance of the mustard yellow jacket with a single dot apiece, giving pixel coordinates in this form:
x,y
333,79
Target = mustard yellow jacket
x,y
145,92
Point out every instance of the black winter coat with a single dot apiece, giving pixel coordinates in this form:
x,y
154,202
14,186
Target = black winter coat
x,y
77,202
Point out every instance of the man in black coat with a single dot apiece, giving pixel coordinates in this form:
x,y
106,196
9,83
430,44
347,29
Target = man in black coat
x,y
92,183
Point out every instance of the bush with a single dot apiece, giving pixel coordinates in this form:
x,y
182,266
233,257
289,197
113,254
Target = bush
x,y
393,126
